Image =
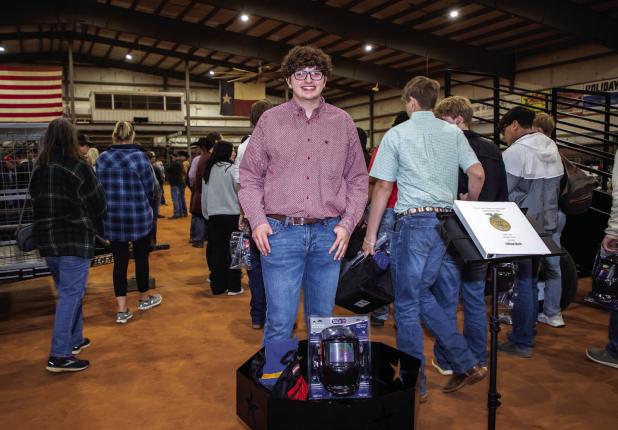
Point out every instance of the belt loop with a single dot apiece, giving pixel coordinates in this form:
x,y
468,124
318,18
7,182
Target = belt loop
x,y
287,221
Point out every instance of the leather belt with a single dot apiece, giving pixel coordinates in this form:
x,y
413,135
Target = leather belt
x,y
413,211
290,220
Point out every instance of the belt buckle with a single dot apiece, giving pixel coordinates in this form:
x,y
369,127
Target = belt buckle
x,y
301,221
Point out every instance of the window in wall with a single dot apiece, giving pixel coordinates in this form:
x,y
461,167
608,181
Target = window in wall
x,y
103,101
139,102
155,102
173,103
122,101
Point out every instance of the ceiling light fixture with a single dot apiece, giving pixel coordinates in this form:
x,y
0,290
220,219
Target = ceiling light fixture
x,y
453,13
2,48
368,47
211,73
128,57
244,17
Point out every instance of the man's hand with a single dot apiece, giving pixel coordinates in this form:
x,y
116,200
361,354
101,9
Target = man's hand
x,y
610,244
260,236
369,246
464,196
243,223
341,242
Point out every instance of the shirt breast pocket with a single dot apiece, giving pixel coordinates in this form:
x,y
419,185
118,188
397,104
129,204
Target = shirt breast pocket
x,y
333,157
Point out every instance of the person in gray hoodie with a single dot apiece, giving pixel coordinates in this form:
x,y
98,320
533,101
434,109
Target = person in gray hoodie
x,y
533,169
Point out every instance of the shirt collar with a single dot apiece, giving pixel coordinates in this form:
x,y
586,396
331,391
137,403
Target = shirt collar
x,y
301,110
422,114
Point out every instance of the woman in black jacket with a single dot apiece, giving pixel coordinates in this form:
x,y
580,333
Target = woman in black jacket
x,y
68,202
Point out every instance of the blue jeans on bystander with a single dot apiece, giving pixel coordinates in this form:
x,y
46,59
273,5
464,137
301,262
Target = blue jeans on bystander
x,y
525,305
612,346
256,285
71,277
417,260
178,200
386,228
472,281
299,256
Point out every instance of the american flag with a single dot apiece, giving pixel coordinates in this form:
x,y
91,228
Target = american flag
x,y
30,94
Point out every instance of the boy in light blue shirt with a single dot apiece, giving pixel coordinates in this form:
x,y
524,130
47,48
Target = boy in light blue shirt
x,y
423,155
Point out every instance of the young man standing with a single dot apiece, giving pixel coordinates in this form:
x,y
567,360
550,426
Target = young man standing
x,y
534,169
424,155
303,188
458,110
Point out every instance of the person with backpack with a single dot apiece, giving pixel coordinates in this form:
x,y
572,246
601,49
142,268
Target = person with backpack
x,y
551,314
534,171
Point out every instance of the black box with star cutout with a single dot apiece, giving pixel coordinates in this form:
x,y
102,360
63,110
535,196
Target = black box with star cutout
x,y
393,404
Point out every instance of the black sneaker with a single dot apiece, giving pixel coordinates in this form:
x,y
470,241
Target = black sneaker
x,y
66,364
85,344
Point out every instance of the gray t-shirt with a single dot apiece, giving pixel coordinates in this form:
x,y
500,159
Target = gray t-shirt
x,y
219,194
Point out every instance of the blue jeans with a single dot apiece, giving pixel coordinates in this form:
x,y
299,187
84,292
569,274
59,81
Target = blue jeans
x,y
553,279
197,231
525,305
418,259
256,285
71,277
612,346
474,310
299,256
386,228
178,200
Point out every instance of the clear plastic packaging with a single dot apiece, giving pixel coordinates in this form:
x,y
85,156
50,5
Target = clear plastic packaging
x,y
240,250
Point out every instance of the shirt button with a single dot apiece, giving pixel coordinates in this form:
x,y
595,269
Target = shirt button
x,y
326,141
308,139
308,158
307,177
307,197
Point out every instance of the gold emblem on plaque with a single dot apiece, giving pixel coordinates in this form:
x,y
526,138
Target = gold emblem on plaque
x,y
499,223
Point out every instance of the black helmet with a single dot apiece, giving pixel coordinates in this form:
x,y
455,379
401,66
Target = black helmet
x,y
340,360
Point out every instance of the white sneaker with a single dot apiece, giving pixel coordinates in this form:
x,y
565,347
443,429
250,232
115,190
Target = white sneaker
x,y
444,372
555,321
235,293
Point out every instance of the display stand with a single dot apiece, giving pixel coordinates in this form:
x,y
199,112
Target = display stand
x,y
457,236
391,406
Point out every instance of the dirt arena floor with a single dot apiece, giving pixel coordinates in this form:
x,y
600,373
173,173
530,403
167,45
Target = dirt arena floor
x,y
173,367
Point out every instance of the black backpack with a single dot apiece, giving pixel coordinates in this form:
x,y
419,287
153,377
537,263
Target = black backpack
x,y
576,189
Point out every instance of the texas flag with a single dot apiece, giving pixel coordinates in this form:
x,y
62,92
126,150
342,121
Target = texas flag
x,y
236,98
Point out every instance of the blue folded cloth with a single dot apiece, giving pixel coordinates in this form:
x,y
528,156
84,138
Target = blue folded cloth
x,y
274,351
381,259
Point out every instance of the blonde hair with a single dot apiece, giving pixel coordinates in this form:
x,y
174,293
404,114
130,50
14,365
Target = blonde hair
x,y
455,106
423,89
123,131
544,122
92,154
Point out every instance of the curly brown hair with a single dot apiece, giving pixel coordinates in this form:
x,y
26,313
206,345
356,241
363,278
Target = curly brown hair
x,y
306,56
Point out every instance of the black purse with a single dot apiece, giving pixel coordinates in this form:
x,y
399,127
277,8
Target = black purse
x,y
24,235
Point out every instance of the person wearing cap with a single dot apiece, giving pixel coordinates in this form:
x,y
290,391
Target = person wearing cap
x,y
84,144
534,169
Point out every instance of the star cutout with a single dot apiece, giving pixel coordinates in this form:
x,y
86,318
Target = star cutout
x,y
396,370
251,407
227,99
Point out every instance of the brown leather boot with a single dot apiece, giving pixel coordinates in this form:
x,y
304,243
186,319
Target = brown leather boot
x,y
471,376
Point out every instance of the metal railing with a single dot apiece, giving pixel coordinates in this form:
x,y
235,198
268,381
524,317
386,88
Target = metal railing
x,y
585,120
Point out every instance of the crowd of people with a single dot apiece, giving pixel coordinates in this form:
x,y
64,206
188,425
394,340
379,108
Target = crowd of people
x,y
300,186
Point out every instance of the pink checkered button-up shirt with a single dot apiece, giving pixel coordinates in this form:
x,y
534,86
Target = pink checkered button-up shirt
x,y
301,167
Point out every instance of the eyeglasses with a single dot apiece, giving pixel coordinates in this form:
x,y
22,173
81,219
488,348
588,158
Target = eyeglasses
x,y
315,75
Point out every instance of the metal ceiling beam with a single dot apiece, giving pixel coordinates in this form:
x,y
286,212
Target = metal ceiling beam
x,y
339,21
144,24
563,15
135,46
